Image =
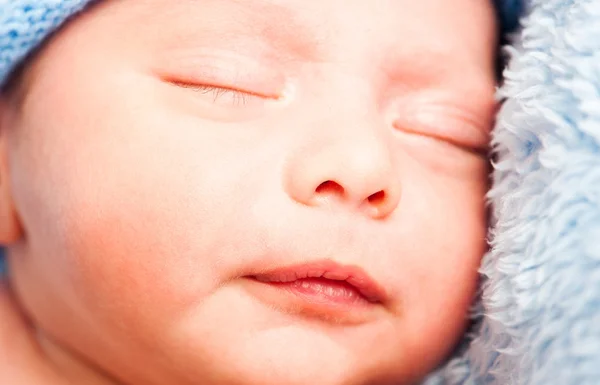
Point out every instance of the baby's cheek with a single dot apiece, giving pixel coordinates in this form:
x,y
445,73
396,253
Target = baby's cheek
x,y
445,248
129,254
112,238
110,218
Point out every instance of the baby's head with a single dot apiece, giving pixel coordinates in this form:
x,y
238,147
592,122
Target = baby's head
x,y
160,160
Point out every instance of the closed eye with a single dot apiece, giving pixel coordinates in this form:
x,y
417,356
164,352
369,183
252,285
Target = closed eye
x,y
224,96
455,137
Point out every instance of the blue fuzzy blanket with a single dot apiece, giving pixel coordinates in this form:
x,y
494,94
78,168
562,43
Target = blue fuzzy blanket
x,y
538,320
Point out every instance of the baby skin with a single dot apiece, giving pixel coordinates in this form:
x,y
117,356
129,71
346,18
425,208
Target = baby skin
x,y
246,192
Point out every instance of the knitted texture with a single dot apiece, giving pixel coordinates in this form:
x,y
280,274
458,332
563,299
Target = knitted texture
x,y
24,24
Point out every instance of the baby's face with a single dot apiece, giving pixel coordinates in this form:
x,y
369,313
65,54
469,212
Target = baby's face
x,y
168,156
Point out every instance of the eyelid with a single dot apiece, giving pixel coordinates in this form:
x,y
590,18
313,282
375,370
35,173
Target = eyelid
x,y
225,70
446,120
447,130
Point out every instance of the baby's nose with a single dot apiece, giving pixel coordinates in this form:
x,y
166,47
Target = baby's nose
x,y
355,172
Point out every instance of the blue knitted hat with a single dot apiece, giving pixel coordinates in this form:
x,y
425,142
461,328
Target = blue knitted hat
x,y
24,24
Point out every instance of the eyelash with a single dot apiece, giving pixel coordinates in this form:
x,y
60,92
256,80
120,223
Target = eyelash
x,y
238,98
445,141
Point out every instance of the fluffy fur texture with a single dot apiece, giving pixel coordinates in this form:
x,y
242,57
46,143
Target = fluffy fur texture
x,y
538,321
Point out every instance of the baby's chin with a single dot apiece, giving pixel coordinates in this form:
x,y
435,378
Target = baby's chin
x,y
247,342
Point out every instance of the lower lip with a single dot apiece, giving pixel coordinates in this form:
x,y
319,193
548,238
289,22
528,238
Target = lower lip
x,y
327,300
323,291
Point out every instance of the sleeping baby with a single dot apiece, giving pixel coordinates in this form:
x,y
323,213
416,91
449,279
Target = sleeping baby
x,y
244,191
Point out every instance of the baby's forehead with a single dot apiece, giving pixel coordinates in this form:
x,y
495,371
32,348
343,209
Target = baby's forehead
x,y
45,16
319,32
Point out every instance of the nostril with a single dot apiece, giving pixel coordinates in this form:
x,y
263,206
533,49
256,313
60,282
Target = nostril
x,y
330,187
377,199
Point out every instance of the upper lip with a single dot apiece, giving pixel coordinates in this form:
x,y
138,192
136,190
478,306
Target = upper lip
x,y
327,269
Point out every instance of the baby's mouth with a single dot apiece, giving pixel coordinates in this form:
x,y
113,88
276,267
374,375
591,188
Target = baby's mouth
x,y
323,289
333,282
